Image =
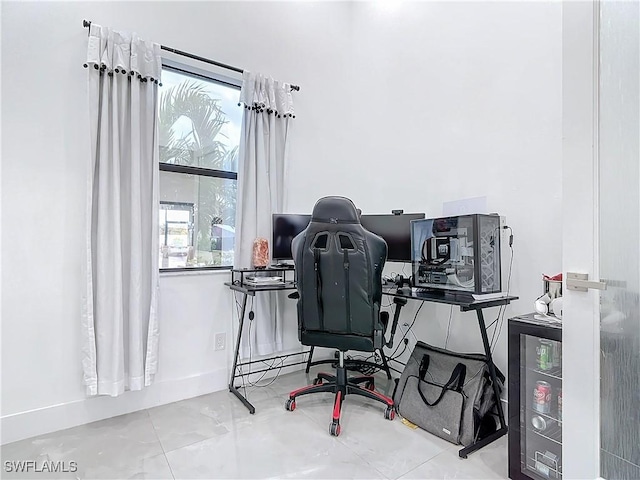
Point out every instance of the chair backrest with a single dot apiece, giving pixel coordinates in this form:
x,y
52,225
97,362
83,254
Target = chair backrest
x,y
339,279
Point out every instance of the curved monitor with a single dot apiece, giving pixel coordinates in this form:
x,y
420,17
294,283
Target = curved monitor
x,y
285,227
396,231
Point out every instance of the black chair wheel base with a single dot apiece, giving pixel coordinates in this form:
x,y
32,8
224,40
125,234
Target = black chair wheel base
x,y
334,429
290,405
390,413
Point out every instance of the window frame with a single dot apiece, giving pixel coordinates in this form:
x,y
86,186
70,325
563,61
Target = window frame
x,y
190,207
198,171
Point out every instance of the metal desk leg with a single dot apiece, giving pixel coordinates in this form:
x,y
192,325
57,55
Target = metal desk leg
x,y
232,386
309,360
385,365
492,371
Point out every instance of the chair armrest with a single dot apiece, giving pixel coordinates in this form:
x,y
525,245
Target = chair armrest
x,y
384,319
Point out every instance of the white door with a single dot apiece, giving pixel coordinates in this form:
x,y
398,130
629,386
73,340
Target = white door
x,y
601,237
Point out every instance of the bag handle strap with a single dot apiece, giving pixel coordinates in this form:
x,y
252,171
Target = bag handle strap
x,y
424,366
457,377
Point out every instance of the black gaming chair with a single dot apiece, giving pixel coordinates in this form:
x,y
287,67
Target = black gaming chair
x,y
338,268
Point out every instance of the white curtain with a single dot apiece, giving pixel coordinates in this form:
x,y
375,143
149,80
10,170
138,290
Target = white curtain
x,y
120,323
263,156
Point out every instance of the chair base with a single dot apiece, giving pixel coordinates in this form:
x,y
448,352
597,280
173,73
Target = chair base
x,y
352,364
341,386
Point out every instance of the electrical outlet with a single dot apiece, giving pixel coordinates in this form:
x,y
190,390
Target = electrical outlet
x,y
220,341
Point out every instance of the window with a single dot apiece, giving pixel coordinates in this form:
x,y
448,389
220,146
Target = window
x,y
176,234
199,133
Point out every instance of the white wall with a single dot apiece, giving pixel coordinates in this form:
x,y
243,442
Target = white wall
x,y
447,101
44,155
404,108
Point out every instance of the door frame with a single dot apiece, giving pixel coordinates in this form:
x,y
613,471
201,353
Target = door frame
x,y
581,313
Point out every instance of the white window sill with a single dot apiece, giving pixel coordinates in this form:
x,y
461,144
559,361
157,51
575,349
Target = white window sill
x,y
182,273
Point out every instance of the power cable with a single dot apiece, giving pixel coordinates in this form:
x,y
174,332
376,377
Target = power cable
x,y
408,329
498,329
446,340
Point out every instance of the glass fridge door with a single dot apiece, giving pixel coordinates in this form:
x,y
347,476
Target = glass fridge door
x,y
540,407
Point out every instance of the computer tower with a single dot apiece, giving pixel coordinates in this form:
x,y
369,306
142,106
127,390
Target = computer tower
x,y
460,253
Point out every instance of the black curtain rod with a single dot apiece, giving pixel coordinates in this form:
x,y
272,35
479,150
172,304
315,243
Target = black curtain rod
x,y
87,24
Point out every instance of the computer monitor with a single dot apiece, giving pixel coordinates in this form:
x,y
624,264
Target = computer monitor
x,y
285,227
396,231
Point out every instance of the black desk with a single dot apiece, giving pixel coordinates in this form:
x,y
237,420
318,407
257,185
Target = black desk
x,y
468,303
249,290
465,302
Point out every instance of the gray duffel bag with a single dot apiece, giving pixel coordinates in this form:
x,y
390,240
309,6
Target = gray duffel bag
x,y
448,394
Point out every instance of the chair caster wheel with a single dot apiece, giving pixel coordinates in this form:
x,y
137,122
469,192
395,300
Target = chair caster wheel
x,y
290,405
389,413
334,429
317,381
370,386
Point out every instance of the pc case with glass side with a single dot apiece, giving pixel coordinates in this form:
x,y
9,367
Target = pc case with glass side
x,y
535,398
460,253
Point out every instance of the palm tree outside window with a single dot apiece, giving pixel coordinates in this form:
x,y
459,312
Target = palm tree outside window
x,y
199,132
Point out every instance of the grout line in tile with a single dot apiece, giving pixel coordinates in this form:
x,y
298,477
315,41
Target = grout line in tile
x,y
192,443
423,463
161,446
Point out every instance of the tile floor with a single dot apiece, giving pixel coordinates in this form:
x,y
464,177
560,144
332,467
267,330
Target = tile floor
x,y
213,436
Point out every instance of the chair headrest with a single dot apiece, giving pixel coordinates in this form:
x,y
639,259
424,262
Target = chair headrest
x,y
335,210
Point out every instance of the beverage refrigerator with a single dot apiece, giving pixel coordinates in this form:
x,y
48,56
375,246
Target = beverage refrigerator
x,y
535,397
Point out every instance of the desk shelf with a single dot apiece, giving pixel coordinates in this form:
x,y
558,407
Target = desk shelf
x,y
466,302
240,277
238,284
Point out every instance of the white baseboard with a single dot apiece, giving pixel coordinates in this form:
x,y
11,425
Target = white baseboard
x,y
31,423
